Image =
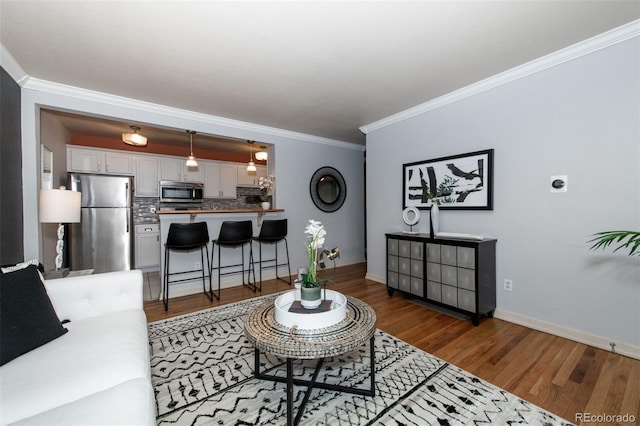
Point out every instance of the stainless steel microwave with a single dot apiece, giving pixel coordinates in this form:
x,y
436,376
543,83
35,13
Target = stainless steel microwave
x,y
181,192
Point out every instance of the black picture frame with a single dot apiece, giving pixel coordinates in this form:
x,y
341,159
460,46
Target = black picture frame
x,y
461,182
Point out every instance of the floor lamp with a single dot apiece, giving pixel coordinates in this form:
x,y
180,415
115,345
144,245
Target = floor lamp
x,y
59,206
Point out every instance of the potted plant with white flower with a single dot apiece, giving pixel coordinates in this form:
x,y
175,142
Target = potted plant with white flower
x,y
310,291
266,186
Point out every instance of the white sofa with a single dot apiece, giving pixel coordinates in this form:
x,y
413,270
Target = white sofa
x,y
98,373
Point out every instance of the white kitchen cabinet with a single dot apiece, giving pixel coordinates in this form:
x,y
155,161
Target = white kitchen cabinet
x,y
84,160
118,163
220,180
171,169
147,246
228,181
175,169
193,174
88,160
146,177
251,179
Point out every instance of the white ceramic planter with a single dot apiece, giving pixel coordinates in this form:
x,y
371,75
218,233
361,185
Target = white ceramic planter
x,y
311,320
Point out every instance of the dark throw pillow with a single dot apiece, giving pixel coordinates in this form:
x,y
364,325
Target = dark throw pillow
x,y
5,269
27,317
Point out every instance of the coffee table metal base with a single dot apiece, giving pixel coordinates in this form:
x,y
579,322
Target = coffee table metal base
x,y
311,384
271,337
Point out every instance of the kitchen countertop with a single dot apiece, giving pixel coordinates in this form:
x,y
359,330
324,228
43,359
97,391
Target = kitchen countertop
x,y
196,211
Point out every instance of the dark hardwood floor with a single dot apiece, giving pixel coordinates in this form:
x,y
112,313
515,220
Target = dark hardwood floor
x,y
559,375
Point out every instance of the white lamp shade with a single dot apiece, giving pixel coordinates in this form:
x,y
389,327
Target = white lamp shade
x,y
59,206
251,167
135,139
261,155
191,161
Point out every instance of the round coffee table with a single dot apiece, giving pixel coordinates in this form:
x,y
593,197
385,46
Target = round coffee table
x,y
269,336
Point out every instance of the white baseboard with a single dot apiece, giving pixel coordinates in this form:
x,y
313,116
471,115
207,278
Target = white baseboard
x,y
376,278
600,342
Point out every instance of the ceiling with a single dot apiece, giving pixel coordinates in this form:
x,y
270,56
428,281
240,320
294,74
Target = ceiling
x,y
321,68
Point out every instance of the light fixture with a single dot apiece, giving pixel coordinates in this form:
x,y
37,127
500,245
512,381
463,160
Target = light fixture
x,y
59,206
191,160
251,167
135,138
262,154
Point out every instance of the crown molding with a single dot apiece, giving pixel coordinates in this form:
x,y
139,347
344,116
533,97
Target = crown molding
x,y
11,66
36,84
602,41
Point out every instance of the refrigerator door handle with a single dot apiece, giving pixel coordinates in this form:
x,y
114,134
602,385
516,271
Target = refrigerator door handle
x,y
127,194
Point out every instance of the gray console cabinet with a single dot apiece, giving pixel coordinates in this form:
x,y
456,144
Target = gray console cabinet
x,y
459,274
405,266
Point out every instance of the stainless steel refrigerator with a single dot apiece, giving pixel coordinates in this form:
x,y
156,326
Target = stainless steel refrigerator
x,y
103,239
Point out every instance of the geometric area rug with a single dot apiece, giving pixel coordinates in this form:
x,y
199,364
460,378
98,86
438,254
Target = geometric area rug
x,y
202,374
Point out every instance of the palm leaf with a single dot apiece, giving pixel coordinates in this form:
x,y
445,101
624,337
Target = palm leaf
x,y
623,239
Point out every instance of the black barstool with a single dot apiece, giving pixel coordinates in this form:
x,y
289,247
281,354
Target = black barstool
x,y
186,237
272,232
234,234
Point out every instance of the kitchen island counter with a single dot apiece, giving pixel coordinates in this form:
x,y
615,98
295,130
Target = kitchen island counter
x,y
198,211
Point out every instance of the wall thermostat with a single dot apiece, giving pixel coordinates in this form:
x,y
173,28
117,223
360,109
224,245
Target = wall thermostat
x,y
559,183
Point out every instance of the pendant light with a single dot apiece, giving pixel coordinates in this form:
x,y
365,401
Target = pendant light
x,y
191,160
135,138
262,154
251,167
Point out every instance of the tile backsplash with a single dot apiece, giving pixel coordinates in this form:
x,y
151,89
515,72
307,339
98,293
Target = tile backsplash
x,y
142,205
142,210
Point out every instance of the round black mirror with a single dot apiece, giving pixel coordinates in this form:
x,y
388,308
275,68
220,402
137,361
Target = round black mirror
x,y
328,189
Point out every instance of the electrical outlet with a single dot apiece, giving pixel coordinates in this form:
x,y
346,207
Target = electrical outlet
x,y
197,265
508,284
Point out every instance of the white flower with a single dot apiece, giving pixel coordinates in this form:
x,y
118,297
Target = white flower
x,y
316,234
313,228
266,183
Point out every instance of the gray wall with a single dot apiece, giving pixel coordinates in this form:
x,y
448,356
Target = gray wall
x,y
580,118
11,246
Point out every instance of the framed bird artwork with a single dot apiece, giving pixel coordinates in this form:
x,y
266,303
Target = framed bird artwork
x,y
462,181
